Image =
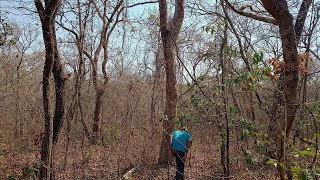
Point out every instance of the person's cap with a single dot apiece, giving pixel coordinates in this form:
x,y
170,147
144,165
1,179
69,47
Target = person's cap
x,y
184,128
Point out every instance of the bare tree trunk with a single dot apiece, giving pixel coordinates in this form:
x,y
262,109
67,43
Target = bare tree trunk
x,y
226,135
285,103
169,35
109,22
59,80
19,125
47,14
97,116
154,96
290,82
18,121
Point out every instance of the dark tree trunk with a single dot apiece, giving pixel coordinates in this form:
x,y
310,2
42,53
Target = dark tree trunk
x,y
97,116
47,14
59,80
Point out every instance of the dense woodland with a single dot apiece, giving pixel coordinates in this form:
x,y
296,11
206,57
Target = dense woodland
x,y
93,89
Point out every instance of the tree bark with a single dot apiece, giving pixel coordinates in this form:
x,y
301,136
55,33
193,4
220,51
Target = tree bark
x,y
283,110
108,25
169,35
155,90
47,14
97,116
224,96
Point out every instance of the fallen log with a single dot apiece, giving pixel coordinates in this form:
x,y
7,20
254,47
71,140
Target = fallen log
x,y
128,175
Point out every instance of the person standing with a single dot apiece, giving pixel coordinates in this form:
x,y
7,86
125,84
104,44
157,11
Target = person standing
x,y
180,144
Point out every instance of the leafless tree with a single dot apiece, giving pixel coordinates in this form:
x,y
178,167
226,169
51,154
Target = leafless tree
x,y
47,13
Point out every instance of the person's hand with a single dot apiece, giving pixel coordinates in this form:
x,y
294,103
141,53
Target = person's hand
x,y
184,158
173,151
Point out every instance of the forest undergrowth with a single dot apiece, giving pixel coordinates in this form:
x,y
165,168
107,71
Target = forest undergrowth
x,y
112,159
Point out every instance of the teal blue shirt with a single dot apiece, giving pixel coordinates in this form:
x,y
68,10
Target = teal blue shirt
x,y
179,140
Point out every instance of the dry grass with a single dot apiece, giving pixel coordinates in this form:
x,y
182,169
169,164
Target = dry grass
x,y
111,161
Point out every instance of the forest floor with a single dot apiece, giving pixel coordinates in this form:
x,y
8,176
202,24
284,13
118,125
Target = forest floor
x,y
111,161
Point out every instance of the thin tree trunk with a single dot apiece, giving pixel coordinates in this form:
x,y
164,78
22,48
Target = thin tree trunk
x,y
225,100
224,94
154,96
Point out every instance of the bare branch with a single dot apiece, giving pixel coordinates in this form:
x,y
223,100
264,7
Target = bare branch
x,y
302,15
40,9
142,3
253,16
270,6
251,8
97,9
177,19
68,29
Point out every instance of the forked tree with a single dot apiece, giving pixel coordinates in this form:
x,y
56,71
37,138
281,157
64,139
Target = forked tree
x,y
47,13
169,34
283,109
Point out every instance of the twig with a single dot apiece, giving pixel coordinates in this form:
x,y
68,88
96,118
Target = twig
x,y
128,175
316,131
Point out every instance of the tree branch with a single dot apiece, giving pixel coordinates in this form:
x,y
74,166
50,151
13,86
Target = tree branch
x,y
302,15
253,16
163,15
40,9
177,19
142,3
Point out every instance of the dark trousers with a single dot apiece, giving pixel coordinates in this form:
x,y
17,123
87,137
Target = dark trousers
x,y
180,165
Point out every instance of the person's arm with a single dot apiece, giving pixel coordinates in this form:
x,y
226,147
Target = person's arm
x,y
170,145
188,146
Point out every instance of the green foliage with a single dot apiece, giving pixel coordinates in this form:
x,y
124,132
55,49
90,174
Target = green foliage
x,y
11,177
233,111
251,79
209,29
249,159
300,173
30,172
262,142
247,128
272,162
301,169
112,134
196,106
214,28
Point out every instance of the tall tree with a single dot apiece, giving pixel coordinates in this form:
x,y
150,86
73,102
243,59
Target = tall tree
x,y
169,34
47,13
283,109
109,17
